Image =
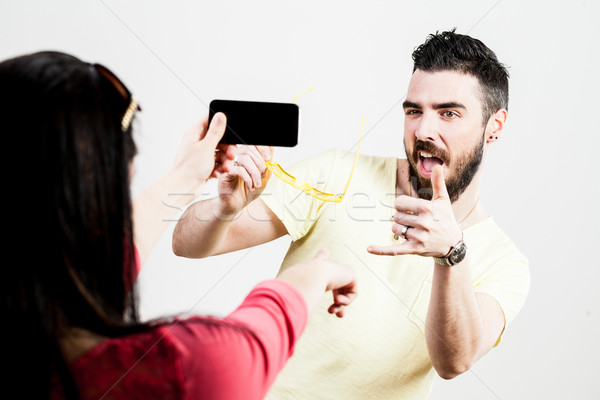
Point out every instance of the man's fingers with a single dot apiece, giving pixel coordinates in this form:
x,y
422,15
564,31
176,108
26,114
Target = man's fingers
x,y
242,173
246,161
409,204
216,129
266,152
438,183
256,155
394,250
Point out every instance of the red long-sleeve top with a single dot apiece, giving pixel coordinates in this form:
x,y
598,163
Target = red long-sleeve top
x,y
237,357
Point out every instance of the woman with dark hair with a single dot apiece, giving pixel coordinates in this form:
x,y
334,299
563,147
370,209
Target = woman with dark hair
x,y
72,327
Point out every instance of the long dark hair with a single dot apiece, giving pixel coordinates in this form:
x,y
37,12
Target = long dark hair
x,y
66,170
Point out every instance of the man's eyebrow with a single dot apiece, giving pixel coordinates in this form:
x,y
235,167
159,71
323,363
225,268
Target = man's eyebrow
x,y
410,104
438,106
451,104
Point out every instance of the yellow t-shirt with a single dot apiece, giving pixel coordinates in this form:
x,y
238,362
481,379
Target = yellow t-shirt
x,y
378,349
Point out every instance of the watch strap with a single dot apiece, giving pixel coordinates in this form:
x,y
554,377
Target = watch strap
x,y
447,259
443,260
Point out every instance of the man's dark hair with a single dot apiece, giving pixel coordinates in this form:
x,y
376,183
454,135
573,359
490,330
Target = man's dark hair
x,y
450,51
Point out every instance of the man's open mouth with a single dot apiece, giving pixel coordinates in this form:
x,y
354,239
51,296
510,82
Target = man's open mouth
x,y
427,161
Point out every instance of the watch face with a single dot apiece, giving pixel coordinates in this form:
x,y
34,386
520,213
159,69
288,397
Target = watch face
x,y
458,253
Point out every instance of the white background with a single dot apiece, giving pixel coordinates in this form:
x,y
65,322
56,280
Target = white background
x,y
541,179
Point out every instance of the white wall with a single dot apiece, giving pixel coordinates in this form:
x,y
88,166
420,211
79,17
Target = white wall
x,y
541,182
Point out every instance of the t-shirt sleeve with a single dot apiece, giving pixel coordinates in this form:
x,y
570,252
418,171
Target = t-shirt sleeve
x,y
507,280
297,210
240,356
509,286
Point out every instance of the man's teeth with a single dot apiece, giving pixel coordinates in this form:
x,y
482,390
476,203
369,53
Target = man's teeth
x,y
425,155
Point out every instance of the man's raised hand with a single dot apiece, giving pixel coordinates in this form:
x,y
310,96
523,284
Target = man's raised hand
x,y
430,228
246,179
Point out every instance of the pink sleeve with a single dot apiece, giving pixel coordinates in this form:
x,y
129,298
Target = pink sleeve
x,y
239,357
138,264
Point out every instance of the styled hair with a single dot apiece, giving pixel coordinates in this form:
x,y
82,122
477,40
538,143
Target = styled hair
x,y
450,51
66,165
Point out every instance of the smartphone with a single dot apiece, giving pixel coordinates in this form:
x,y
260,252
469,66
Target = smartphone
x,y
258,123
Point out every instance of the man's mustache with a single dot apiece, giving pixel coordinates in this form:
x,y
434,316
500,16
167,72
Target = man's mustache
x,y
432,149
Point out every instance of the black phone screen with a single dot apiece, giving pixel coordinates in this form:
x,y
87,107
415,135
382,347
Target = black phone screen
x,y
258,123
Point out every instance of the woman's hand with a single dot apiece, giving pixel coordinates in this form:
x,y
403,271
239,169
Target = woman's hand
x,y
200,156
315,276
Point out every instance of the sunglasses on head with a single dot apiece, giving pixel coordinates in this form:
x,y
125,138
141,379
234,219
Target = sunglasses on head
x,y
130,98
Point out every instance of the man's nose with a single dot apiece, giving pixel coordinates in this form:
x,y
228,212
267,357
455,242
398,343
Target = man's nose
x,y
427,129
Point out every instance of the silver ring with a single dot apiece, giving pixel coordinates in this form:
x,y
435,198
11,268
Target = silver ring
x,y
235,160
404,230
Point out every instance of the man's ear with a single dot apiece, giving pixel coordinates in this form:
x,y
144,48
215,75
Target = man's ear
x,y
495,125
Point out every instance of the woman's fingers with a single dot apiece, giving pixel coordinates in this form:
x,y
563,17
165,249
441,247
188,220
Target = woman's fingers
x,y
215,131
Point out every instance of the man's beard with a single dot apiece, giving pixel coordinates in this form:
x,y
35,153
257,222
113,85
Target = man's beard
x,y
462,169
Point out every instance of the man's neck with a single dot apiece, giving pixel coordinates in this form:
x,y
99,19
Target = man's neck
x,y
467,208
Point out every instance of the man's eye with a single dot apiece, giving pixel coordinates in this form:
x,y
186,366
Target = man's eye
x,y
449,114
412,112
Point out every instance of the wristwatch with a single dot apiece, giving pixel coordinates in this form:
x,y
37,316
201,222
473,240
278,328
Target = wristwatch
x,y
457,253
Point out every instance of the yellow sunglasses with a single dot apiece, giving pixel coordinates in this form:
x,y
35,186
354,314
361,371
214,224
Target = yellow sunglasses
x,y
306,187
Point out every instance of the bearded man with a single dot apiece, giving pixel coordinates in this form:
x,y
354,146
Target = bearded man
x,y
439,281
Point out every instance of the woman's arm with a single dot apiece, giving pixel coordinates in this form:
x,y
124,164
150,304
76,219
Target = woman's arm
x,y
240,358
195,163
319,274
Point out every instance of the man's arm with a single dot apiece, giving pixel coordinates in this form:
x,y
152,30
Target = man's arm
x,y
237,218
461,325
206,230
